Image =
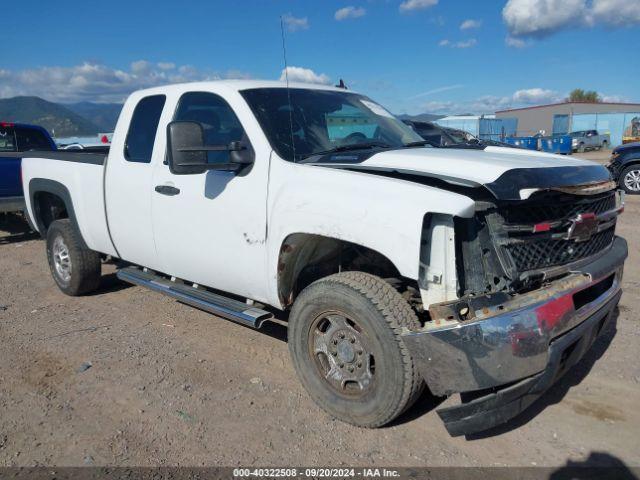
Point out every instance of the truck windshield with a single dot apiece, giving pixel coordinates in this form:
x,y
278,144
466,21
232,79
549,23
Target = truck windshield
x,y
321,121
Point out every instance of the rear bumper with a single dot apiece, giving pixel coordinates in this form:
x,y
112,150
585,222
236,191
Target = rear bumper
x,y
11,204
521,352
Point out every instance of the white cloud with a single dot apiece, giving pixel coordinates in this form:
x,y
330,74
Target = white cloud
x,y
515,42
488,104
96,82
614,98
491,103
293,24
616,12
438,107
166,65
533,96
470,24
541,18
472,42
304,75
349,12
433,91
410,5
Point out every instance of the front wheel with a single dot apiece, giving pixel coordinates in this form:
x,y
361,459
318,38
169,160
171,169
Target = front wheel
x,y
76,270
630,179
345,343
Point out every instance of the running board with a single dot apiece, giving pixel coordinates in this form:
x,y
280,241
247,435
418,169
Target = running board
x,y
213,303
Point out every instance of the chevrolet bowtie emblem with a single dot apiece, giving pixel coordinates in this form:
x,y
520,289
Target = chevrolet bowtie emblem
x,y
583,227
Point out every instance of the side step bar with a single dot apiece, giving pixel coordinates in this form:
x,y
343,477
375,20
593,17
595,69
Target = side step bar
x,y
213,303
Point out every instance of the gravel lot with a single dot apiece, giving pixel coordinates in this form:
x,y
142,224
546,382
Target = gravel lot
x,y
130,377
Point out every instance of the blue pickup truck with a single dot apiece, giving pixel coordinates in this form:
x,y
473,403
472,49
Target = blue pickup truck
x,y
15,138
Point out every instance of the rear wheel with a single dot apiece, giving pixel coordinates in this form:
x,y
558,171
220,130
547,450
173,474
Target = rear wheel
x,y
630,179
76,270
345,343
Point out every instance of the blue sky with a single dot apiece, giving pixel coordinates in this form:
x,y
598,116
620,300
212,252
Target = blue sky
x,y
444,56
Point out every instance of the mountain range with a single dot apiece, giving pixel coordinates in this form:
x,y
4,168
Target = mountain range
x,y
421,117
85,118
61,120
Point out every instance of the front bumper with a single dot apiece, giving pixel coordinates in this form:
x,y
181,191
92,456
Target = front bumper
x,y
519,352
11,204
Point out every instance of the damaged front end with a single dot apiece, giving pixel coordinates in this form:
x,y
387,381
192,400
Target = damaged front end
x,y
511,248
536,281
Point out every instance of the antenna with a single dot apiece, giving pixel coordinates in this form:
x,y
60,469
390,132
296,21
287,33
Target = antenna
x,y
286,77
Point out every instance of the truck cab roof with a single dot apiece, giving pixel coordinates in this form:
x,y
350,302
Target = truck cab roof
x,y
237,85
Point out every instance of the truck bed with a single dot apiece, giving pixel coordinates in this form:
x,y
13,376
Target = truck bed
x,y
80,176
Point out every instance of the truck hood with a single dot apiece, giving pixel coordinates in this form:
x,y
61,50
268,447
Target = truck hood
x,y
508,173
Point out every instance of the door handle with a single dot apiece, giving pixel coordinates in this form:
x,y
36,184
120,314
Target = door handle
x,y
167,190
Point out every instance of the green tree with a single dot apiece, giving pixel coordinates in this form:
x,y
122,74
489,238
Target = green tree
x,y
587,96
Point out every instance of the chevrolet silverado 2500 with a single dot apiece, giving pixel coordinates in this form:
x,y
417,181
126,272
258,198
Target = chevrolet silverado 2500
x,y
482,271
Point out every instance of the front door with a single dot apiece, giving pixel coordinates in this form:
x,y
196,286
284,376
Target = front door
x,y
210,228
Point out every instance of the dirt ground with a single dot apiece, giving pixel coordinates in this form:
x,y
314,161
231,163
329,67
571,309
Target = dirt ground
x,y
130,377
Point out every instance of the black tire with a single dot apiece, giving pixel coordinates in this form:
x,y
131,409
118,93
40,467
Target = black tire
x,y
84,266
378,313
626,183
605,145
581,148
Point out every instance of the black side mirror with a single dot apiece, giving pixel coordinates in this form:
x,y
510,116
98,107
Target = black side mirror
x,y
187,152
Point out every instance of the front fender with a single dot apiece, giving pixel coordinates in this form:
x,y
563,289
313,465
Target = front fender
x,y
380,213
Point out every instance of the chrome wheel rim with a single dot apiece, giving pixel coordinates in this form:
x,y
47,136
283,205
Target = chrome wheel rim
x,y
632,180
342,354
61,259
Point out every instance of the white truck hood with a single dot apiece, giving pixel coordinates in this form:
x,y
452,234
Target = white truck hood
x,y
509,173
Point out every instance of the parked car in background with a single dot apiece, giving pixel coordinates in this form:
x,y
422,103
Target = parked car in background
x,y
439,136
486,270
589,140
625,167
16,138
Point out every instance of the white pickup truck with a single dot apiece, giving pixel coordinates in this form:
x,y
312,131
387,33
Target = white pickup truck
x,y
477,270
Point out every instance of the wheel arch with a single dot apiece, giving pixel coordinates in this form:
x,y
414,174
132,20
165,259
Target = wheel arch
x,y
306,257
50,200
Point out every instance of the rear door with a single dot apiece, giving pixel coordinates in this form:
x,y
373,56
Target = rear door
x,y
10,185
129,176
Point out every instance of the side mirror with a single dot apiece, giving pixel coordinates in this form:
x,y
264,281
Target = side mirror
x,y
187,152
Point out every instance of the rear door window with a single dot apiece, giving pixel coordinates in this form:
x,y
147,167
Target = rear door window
x,y
7,140
32,139
142,130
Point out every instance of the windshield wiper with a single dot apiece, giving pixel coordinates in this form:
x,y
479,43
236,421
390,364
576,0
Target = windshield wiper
x,y
420,143
346,148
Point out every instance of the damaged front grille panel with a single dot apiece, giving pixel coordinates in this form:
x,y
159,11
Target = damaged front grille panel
x,y
540,254
556,207
502,250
